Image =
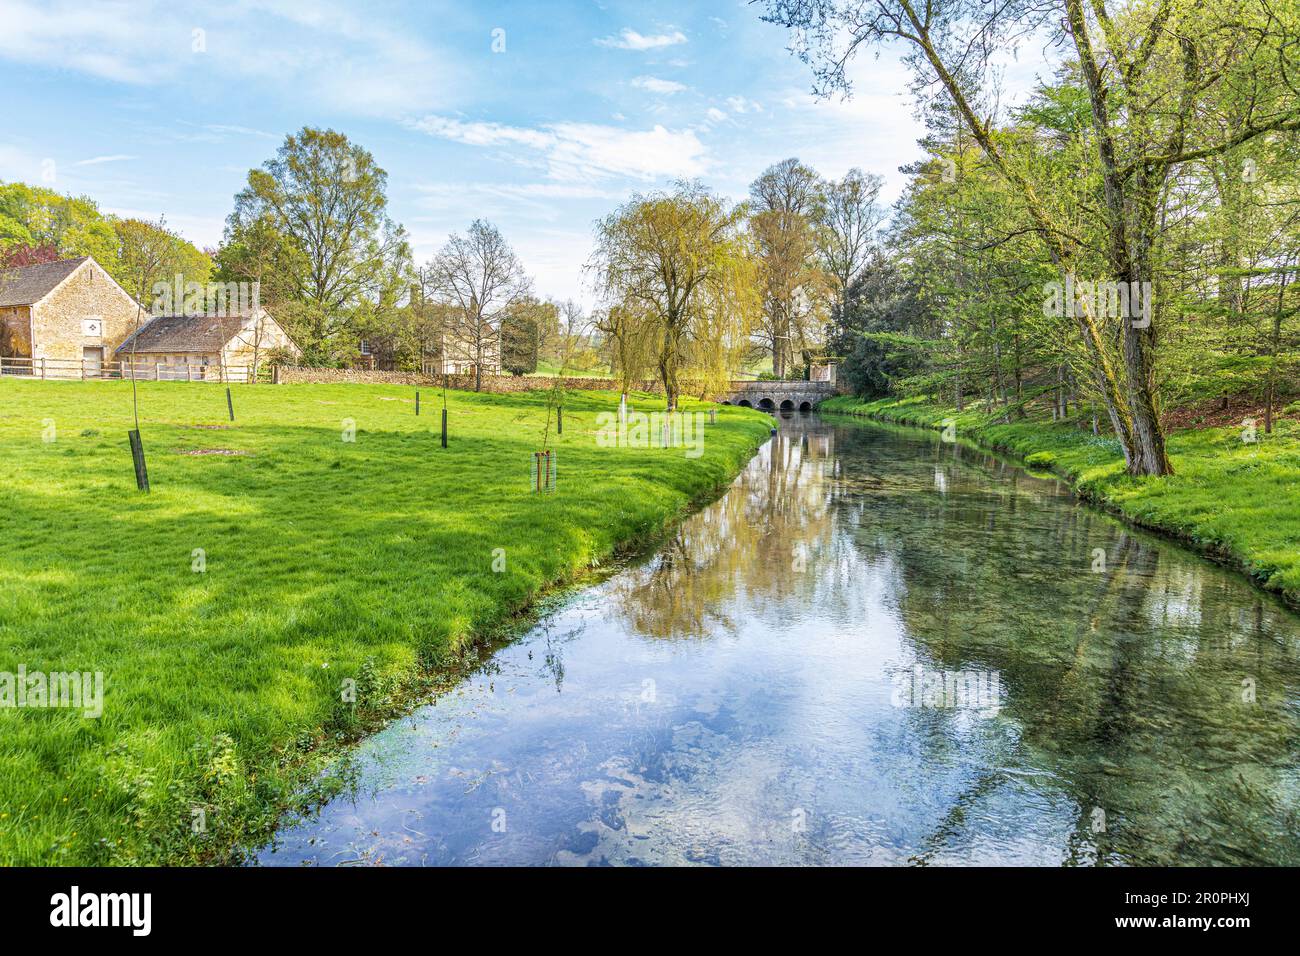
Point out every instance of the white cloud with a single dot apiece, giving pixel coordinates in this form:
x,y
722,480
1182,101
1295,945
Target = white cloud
x,y
629,39
97,160
654,84
715,115
740,104
581,151
322,53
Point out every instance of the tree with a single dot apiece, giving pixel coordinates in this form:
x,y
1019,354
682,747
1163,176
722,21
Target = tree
x,y
23,254
671,256
255,251
850,217
786,199
1154,75
140,241
326,197
481,278
871,326
632,342
519,338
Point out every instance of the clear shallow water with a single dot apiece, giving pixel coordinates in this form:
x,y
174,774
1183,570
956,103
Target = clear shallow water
x,y
875,648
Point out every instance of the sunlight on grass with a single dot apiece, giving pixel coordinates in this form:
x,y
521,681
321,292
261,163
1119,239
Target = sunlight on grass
x,y
324,560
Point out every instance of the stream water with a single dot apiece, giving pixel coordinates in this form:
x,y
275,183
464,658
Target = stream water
x,y
875,648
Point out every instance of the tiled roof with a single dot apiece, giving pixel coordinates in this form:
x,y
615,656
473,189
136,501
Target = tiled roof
x,y
29,284
183,333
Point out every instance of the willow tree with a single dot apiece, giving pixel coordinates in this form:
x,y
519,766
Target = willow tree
x,y
671,257
1156,74
631,342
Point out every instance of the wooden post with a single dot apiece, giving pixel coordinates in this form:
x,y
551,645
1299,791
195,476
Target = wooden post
x,y
444,428
417,402
230,404
559,419
42,368
157,371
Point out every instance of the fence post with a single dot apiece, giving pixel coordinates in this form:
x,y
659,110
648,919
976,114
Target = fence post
x,y
157,371
42,368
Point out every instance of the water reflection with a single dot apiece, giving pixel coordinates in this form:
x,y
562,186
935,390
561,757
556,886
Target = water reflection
x,y
786,680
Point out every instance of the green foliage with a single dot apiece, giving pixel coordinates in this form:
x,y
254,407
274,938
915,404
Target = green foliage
x,y
74,226
519,342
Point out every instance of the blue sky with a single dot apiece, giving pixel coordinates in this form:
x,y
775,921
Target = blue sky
x,y
161,108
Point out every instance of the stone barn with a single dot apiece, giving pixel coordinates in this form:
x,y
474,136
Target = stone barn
x,y
199,347
62,317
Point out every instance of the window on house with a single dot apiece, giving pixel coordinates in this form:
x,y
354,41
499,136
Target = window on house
x,y
365,347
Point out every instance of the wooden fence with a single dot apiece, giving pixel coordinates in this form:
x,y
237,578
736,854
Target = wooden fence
x,y
89,369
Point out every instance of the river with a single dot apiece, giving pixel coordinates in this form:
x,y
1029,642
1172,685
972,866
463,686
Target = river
x,y
875,648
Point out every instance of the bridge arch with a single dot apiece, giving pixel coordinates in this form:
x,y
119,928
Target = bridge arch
x,y
769,395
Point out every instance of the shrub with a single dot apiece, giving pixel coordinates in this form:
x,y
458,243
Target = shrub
x,y
1040,459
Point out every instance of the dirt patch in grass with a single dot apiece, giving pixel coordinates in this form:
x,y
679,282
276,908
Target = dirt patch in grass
x,y
212,451
211,427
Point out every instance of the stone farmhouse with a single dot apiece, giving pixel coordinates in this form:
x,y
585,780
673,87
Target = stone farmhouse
x,y
66,314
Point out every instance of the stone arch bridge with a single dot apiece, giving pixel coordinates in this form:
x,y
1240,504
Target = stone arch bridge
x,y
775,396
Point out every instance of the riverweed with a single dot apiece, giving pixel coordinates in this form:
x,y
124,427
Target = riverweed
x,y
229,607
1232,499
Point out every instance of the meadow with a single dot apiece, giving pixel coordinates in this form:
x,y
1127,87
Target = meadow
x,y
274,566
1233,499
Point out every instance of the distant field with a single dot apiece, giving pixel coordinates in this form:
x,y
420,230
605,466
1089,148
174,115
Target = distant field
x,y
324,561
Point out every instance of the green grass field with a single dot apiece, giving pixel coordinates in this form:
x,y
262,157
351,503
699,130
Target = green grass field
x,y
325,561
1236,501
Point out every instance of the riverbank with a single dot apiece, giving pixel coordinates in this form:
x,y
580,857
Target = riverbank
x,y
296,578
1235,501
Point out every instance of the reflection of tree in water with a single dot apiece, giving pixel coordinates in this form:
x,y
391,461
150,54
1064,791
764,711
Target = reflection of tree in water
x,y
751,543
1124,685
553,653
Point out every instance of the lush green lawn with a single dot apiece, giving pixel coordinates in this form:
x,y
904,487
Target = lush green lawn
x,y
1238,501
325,561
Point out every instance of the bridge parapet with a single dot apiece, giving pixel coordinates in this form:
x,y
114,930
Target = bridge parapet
x,y
778,395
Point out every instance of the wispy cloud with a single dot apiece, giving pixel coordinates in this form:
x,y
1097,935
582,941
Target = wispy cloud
x,y
322,51
575,152
97,160
739,104
654,84
629,39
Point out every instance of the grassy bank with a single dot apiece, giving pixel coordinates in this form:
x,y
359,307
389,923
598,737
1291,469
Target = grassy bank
x,y
1236,501
272,563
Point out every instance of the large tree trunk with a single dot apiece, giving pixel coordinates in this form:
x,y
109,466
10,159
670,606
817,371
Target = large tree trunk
x,y
668,357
